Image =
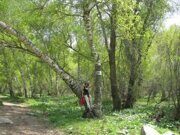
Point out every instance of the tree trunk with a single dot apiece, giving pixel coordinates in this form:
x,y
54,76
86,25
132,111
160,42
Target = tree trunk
x,y
112,58
29,78
10,88
22,76
24,83
51,83
8,75
57,85
114,89
69,80
33,92
97,62
112,62
130,96
130,52
163,95
177,114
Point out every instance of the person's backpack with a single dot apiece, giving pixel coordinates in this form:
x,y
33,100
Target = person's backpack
x,y
82,100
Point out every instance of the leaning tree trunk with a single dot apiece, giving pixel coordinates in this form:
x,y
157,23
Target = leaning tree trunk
x,y
69,80
96,59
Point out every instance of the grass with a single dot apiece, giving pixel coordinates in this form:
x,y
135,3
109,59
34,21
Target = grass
x,y
65,113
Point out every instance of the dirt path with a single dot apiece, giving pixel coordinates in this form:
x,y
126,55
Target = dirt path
x,y
23,122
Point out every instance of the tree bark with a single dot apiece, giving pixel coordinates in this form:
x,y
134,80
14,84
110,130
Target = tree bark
x,y
112,62
130,96
97,63
112,55
130,52
69,80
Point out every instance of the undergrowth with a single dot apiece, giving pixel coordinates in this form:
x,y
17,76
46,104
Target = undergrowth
x,y
65,113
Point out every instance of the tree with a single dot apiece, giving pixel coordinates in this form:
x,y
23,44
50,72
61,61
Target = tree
x,y
146,16
111,49
9,73
164,63
87,7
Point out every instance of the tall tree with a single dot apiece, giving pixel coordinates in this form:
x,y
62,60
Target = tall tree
x,y
111,49
87,7
142,33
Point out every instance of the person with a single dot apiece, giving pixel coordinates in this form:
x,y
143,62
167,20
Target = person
x,y
87,95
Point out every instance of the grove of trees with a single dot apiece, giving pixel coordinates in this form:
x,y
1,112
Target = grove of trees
x,y
50,47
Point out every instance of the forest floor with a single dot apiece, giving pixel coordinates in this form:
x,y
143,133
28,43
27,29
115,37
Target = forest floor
x,y
24,122
45,115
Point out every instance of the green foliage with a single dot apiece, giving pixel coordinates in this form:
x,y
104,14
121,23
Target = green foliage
x,y
65,113
16,99
57,28
1,103
162,65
